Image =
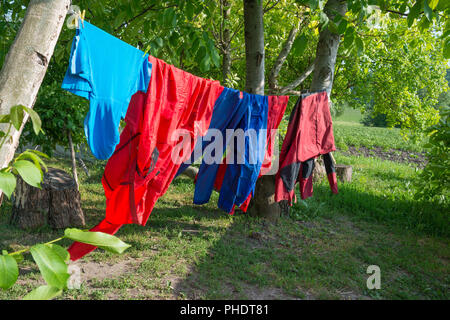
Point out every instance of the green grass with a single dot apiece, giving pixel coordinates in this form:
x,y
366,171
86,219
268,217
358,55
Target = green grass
x,y
321,251
350,115
355,134
349,131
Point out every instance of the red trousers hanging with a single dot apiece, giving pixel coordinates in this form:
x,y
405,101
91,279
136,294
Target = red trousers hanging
x,y
142,167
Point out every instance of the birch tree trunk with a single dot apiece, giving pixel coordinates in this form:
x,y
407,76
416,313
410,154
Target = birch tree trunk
x,y
27,61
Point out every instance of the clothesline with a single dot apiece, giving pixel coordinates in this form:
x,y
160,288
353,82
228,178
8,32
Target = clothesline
x,y
157,100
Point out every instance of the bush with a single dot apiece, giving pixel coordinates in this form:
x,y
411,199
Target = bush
x,y
434,182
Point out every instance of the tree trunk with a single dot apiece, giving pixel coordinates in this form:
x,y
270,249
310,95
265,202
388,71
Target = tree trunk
x,y
27,61
74,159
58,202
263,204
344,172
326,51
254,46
226,41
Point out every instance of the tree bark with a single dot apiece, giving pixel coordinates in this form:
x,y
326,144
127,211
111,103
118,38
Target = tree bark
x,y
344,172
74,159
254,46
326,51
27,61
226,41
263,204
58,202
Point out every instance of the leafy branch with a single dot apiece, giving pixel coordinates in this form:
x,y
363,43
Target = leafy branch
x,y
52,260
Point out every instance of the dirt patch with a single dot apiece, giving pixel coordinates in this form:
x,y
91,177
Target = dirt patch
x,y
268,293
418,159
100,271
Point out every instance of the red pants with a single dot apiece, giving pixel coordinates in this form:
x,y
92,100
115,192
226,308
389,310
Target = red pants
x,y
141,168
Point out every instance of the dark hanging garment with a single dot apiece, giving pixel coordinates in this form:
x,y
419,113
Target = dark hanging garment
x,y
309,135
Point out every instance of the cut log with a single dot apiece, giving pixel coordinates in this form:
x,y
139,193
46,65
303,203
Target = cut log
x,y
190,172
319,172
344,172
58,202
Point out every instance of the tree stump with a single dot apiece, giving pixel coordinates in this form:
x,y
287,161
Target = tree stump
x,y
58,202
319,172
344,172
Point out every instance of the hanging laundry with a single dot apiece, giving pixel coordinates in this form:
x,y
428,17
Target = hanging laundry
x,y
277,108
247,158
107,72
229,110
141,168
309,134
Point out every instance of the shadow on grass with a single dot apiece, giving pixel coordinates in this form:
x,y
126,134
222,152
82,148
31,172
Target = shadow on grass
x,y
249,258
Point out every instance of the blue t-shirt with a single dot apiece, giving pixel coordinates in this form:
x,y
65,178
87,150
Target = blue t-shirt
x,y
106,71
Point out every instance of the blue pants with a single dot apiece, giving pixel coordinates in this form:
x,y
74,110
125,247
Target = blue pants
x,y
241,175
231,112
228,112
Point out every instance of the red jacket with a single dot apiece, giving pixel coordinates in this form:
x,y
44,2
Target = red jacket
x,y
309,134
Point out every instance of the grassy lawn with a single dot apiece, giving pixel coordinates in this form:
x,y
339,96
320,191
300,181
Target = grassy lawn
x,y
321,251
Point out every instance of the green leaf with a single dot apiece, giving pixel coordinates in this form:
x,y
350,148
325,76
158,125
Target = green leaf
x,y
189,10
35,119
40,154
7,183
169,17
299,45
205,63
52,266
447,49
359,45
414,12
313,4
159,42
323,20
16,115
5,118
342,26
427,10
29,172
215,58
43,293
333,27
60,251
33,157
433,4
17,256
8,271
99,239
349,37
